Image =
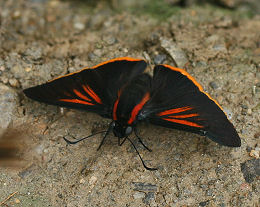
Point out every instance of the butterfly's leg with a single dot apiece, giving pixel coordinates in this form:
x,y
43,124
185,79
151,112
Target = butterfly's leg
x,y
79,140
140,140
123,141
107,132
147,168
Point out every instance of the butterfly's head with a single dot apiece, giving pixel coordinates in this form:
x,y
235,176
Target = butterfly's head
x,y
121,130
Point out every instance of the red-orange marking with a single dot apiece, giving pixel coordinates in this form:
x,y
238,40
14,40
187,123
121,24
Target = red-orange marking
x,y
184,116
81,95
103,63
115,105
114,109
92,94
76,101
174,111
138,107
183,72
184,122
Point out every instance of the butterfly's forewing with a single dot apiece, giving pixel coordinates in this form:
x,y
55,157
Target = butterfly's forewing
x,y
94,89
178,101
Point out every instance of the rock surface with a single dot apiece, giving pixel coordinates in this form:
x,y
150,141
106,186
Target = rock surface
x,y
8,106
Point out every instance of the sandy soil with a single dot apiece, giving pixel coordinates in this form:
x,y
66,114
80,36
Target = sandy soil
x,y
41,40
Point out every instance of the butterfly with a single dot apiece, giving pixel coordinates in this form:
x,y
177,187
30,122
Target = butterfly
x,y
119,89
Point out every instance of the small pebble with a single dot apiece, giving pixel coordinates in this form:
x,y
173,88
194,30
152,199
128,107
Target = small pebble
x,y
139,195
4,80
148,197
125,50
159,59
254,90
17,201
98,52
28,69
110,40
177,54
254,154
16,14
79,26
219,47
92,180
13,82
228,113
257,134
213,85
248,149
82,181
244,187
250,169
244,106
209,192
145,187
249,111
39,149
92,56
204,203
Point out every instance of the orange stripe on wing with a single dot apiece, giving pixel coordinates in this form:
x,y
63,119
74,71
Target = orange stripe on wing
x,y
114,109
76,101
90,92
138,107
183,72
184,122
117,59
174,111
183,116
81,95
115,105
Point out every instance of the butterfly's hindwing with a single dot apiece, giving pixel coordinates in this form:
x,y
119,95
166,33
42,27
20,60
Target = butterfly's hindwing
x,y
178,101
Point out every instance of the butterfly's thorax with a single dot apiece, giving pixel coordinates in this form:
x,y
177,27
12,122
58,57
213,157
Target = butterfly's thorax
x,y
130,100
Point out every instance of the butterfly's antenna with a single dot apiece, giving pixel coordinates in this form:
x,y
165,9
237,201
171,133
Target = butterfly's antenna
x,y
107,132
147,168
140,140
79,140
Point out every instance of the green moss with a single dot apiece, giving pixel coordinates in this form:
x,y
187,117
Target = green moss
x,y
158,9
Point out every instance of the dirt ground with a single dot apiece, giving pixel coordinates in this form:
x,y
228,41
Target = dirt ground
x,y
41,39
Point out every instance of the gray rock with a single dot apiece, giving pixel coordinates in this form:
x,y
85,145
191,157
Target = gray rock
x,y
8,104
110,40
251,169
144,187
174,51
159,59
204,203
139,195
26,172
213,85
148,197
35,52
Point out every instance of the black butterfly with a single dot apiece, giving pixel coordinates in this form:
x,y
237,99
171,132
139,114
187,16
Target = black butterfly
x,y
120,90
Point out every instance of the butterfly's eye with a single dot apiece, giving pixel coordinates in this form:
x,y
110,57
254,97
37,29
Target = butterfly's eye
x,y
128,130
113,124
